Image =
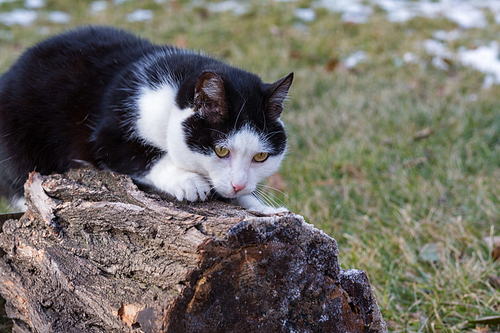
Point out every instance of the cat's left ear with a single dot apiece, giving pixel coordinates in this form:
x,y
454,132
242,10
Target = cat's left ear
x,y
279,91
210,97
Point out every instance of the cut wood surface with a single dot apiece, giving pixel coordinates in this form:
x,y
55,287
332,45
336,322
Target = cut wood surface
x,y
93,253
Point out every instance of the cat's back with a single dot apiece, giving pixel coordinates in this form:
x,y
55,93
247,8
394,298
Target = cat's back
x,y
52,95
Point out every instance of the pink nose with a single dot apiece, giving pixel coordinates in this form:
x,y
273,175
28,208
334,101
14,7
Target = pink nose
x,y
238,187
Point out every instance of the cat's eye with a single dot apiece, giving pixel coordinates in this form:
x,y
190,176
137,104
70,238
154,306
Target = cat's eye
x,y
260,157
221,151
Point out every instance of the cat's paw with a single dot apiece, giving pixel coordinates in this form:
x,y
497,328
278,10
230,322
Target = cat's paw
x,y
185,185
191,187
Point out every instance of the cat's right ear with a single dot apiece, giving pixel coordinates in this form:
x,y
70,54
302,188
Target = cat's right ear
x,y
278,93
210,97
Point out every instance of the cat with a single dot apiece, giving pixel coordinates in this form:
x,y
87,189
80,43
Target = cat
x,y
182,122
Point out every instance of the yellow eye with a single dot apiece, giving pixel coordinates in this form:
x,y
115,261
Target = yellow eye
x,y
261,157
221,151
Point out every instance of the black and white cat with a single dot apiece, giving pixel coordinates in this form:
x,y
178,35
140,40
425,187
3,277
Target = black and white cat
x,y
180,121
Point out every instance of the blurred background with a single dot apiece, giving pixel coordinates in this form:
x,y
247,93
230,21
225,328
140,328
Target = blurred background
x,y
393,129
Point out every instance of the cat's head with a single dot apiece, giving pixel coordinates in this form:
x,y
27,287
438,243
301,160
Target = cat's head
x,y
237,130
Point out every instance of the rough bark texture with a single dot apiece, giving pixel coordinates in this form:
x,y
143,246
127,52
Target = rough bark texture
x,y
95,254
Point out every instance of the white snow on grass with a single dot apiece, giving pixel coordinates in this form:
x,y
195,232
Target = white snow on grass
x,y
484,59
466,16
437,48
411,58
305,14
23,17
236,7
446,35
34,4
353,11
59,17
355,58
140,15
97,7
465,13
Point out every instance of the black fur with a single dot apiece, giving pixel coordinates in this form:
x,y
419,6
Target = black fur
x,y
71,99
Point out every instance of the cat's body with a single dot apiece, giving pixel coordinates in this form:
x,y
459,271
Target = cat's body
x,y
179,121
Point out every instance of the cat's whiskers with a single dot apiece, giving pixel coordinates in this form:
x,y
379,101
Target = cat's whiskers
x,y
275,189
239,112
217,131
5,160
268,198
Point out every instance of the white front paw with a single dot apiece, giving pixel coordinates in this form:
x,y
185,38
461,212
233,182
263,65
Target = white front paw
x,y
182,184
189,186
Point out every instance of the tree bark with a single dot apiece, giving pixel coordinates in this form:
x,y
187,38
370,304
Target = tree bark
x,y
93,253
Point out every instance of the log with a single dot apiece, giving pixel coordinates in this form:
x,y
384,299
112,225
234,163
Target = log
x,y
93,253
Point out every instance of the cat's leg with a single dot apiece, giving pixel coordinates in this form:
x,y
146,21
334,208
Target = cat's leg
x,y
183,184
251,202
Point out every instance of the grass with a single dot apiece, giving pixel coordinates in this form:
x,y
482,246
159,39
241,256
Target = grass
x,y
354,167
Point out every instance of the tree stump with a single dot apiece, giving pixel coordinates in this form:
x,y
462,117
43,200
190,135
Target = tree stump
x,y
93,253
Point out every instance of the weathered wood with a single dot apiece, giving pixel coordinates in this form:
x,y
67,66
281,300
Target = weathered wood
x,y
95,254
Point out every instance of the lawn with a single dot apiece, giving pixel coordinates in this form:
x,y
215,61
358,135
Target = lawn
x,y
397,157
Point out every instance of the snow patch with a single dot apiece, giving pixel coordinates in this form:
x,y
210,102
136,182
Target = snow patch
x,y
34,4
352,10
446,35
140,15
484,59
305,14
59,17
229,5
97,7
355,58
23,17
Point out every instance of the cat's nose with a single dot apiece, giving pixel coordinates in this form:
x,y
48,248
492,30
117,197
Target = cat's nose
x,y
238,187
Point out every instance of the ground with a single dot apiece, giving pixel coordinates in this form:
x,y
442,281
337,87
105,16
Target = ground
x,y
394,129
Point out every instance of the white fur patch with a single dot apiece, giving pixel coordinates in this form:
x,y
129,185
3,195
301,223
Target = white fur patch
x,y
155,109
168,177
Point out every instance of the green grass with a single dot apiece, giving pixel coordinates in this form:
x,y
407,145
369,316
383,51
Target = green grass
x,y
354,168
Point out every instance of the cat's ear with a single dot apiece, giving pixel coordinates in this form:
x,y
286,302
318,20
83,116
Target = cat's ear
x,y
210,97
278,93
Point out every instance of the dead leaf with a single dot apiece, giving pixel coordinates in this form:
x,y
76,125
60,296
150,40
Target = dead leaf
x,y
482,329
331,64
295,55
495,253
277,182
494,281
426,132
